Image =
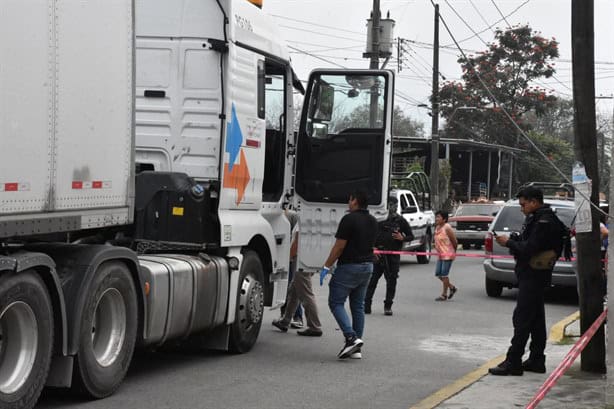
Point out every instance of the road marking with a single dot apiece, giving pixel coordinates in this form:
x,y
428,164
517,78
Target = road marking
x,y
457,386
557,333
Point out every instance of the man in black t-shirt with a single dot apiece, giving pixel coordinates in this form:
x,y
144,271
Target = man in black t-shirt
x,y
392,232
353,251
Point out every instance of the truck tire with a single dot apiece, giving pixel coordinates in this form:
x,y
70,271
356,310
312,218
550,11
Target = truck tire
x,y
493,288
26,338
108,331
250,305
426,248
467,246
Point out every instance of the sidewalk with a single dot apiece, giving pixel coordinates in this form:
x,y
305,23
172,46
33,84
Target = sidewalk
x,y
574,390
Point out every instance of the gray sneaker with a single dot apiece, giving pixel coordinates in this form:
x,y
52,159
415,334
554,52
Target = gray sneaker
x,y
296,323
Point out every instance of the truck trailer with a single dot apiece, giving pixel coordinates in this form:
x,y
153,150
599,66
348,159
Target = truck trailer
x,y
147,154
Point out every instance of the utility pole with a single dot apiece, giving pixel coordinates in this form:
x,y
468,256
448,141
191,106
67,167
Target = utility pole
x,y
435,118
374,64
376,16
590,280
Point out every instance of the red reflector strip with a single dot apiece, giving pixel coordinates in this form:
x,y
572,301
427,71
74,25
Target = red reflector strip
x,y
254,143
96,184
11,187
77,185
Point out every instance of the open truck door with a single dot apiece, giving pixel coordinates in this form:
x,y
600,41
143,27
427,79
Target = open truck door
x,y
343,145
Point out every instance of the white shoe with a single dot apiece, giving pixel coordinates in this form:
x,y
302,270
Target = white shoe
x,y
356,355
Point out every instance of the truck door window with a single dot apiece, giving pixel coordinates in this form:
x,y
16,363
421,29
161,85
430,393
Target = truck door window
x,y
404,203
275,81
341,137
340,103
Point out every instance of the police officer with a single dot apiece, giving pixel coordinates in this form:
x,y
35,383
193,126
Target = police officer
x,y
392,232
535,250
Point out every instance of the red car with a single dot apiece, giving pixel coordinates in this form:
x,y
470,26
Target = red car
x,y
470,222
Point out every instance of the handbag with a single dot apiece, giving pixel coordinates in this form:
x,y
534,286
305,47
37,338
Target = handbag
x,y
543,260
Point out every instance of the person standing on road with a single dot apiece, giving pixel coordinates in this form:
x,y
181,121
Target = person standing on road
x,y
300,291
392,232
535,250
445,244
292,216
353,251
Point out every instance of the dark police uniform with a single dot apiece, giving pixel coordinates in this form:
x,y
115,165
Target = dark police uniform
x,y
541,231
388,264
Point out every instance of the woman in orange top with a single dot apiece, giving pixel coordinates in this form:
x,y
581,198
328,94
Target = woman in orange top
x,y
445,244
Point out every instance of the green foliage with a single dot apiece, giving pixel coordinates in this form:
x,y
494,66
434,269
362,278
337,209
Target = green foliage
x,y
533,168
402,125
517,57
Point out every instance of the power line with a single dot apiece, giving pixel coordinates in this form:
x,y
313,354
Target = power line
x,y
501,14
467,24
317,57
319,25
479,14
324,49
319,33
489,27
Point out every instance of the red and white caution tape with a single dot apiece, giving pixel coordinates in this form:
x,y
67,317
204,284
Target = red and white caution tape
x,y
434,253
567,361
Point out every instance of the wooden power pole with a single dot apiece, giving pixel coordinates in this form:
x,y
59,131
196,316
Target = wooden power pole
x,y
434,173
590,279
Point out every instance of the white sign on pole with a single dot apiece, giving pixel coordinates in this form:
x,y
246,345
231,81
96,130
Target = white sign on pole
x,y
582,185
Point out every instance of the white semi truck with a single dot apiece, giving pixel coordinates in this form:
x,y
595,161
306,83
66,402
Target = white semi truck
x,y
146,158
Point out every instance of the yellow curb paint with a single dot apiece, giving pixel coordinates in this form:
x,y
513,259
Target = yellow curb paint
x,y
557,333
447,392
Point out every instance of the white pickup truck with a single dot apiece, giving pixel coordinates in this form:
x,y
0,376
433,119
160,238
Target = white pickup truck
x,y
421,220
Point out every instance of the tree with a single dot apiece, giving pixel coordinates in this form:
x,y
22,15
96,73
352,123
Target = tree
x,y
516,58
557,120
532,167
402,125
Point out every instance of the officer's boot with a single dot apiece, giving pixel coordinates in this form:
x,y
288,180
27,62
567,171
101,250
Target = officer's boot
x,y
387,308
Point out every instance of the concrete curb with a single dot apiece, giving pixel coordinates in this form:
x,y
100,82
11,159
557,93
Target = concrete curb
x,y
557,335
457,386
557,332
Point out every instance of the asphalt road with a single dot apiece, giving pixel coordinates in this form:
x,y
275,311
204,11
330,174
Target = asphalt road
x,y
423,347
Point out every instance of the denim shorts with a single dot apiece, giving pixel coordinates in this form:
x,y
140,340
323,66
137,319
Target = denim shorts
x,y
442,268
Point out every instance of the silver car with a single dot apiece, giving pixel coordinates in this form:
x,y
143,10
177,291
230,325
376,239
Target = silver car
x,y
500,271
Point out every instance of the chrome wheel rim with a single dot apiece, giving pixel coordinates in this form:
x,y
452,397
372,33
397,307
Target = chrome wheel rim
x,y
109,327
17,351
251,302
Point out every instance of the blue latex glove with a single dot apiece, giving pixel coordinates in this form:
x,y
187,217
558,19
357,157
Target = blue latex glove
x,y
323,273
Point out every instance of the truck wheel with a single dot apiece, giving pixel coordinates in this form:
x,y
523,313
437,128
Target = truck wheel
x,y
466,246
493,288
250,305
26,339
426,247
108,331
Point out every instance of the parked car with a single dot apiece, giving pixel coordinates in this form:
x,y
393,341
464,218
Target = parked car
x,y
420,220
471,221
499,272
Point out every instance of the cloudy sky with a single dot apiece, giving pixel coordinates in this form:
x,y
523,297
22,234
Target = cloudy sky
x,y
332,33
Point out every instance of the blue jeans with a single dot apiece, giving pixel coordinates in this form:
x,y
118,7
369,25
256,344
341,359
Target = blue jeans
x,y
349,280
